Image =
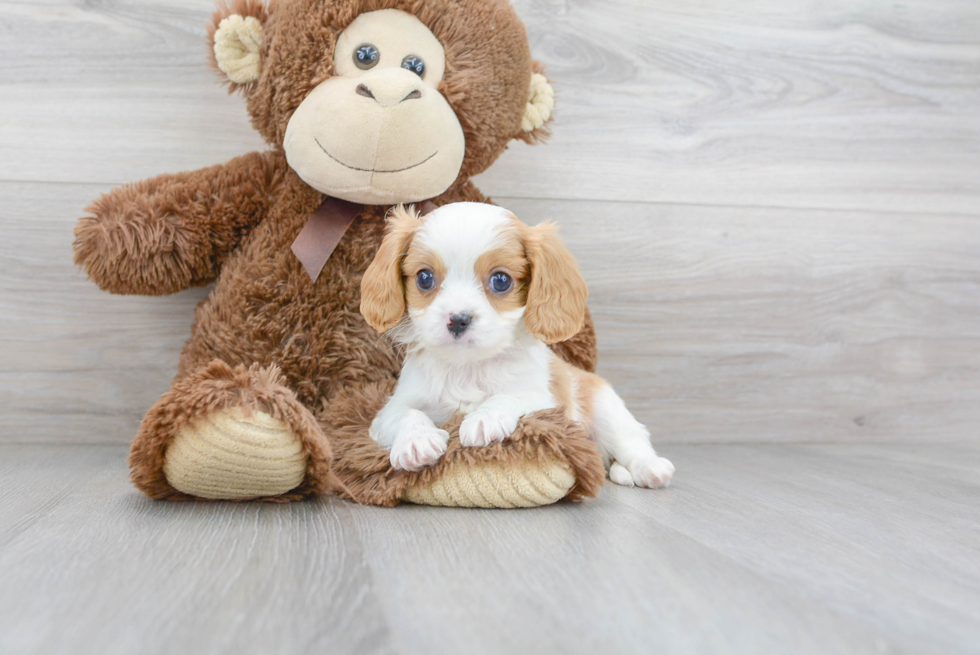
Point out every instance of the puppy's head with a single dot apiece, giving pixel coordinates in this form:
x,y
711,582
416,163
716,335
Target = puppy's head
x,y
469,277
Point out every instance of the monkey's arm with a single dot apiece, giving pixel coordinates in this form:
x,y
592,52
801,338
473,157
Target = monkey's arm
x,y
174,231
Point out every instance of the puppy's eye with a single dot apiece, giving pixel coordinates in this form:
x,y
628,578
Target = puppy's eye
x,y
501,282
414,64
425,280
366,56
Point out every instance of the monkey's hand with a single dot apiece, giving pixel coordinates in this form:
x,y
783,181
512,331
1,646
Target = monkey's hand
x,y
171,232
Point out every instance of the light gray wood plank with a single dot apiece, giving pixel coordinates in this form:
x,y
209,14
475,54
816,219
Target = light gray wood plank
x,y
715,324
34,480
858,548
889,535
106,570
586,579
137,69
75,363
836,104
852,105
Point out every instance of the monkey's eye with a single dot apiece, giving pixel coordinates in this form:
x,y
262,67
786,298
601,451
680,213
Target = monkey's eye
x,y
366,56
414,64
501,282
425,279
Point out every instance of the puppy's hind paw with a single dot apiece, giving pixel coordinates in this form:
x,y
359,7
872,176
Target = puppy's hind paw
x,y
620,475
651,472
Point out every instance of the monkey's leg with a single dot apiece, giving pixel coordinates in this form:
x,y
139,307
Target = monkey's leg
x,y
230,434
546,459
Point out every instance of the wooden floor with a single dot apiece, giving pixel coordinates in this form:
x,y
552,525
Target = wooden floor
x,y
757,549
777,208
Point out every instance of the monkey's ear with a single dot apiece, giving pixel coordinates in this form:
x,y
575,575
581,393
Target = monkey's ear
x,y
537,111
235,37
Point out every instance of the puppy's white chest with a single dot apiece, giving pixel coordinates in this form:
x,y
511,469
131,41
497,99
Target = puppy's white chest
x,y
463,390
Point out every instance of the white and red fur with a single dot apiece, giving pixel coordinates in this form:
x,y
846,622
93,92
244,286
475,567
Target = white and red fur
x,y
499,368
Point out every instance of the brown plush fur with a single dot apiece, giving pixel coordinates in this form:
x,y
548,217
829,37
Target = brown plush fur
x,y
268,337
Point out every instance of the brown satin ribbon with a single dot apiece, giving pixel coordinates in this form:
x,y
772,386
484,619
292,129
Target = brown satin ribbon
x,y
321,234
328,225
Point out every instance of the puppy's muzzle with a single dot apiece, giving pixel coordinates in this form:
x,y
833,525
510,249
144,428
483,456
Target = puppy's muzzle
x,y
458,323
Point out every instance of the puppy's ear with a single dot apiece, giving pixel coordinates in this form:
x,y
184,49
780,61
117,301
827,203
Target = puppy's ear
x,y
557,293
382,290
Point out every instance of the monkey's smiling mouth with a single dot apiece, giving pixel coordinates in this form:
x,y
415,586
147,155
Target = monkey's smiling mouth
x,y
372,170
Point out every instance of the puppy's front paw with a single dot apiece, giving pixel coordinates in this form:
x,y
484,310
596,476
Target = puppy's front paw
x,y
486,426
651,471
417,447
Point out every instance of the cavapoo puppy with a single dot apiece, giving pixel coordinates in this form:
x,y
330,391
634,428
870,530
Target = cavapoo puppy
x,y
475,295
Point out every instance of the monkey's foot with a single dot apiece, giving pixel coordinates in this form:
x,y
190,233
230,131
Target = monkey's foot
x,y
230,434
546,459
229,455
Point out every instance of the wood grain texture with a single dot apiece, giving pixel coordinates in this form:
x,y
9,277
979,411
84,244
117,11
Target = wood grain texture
x,y
75,363
839,104
849,105
91,566
766,548
112,92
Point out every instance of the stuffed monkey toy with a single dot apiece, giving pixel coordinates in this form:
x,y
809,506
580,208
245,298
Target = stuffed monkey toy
x,y
364,104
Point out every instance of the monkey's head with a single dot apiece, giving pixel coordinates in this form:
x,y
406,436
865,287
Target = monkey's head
x,y
383,101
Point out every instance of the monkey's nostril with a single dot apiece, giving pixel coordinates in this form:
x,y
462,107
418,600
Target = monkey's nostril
x,y
414,95
362,90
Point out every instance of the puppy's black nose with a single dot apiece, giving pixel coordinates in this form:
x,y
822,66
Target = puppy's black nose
x,y
458,324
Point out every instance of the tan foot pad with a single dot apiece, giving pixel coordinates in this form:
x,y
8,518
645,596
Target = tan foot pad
x,y
228,455
494,484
